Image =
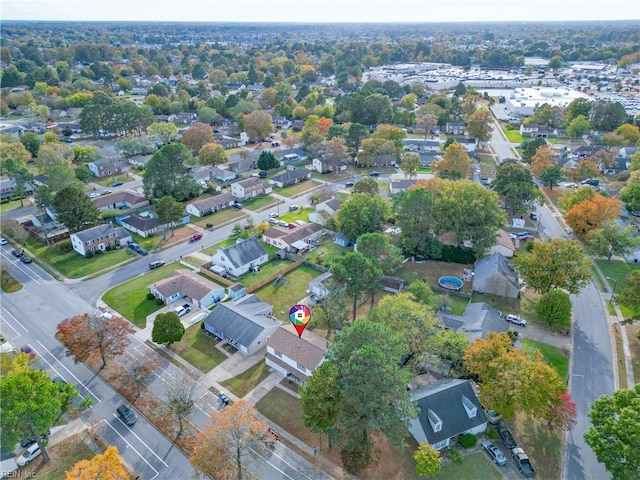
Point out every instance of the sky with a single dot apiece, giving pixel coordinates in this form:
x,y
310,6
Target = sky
x,y
315,11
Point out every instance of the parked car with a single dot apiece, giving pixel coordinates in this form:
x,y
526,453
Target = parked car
x,y
292,225
569,185
494,453
272,221
282,223
594,182
349,184
133,246
183,310
16,253
117,184
156,264
27,442
507,437
493,416
28,455
127,415
25,259
293,208
274,215
533,216
513,236
106,192
523,462
237,205
516,320
28,349
3,241
142,251
195,237
374,174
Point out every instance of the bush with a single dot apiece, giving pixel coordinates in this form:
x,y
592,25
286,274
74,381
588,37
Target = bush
x,y
492,434
150,296
454,455
468,440
159,301
66,247
454,254
89,255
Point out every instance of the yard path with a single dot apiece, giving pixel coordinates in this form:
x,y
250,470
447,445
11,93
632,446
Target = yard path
x,y
562,342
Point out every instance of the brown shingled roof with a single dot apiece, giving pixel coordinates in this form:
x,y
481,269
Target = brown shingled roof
x,y
189,283
308,350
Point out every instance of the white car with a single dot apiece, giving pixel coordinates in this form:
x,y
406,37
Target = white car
x,y
516,320
3,241
28,455
274,215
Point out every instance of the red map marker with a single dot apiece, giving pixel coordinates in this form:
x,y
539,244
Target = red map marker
x,y
299,315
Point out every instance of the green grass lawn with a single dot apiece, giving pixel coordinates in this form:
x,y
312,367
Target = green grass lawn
x,y
129,299
296,189
8,283
199,349
424,169
475,466
8,206
221,217
299,214
107,181
285,295
260,203
227,242
616,271
267,269
73,265
554,357
247,380
513,136
327,251
458,304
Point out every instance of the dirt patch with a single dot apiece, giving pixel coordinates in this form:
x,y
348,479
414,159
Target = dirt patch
x,y
180,235
64,455
634,344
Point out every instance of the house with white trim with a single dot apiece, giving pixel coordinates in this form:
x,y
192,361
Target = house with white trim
x,y
296,357
100,238
191,286
241,257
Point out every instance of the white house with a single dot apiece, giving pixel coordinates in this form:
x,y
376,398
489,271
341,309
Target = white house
x,y
241,257
185,284
250,188
209,205
99,238
298,239
294,356
503,245
246,323
326,166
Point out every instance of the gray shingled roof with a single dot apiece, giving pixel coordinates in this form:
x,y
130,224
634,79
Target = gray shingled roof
x,y
290,175
242,320
143,224
118,197
213,202
302,232
244,252
189,283
445,399
478,320
308,350
95,232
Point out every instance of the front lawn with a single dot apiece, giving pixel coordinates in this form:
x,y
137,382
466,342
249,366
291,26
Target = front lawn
x,y
12,205
283,296
544,447
9,284
269,268
475,466
71,264
259,204
129,299
551,355
297,189
108,181
513,136
247,380
228,215
212,249
299,214
64,455
199,349
616,272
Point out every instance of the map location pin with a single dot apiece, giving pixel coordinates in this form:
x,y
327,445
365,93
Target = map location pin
x,y
299,315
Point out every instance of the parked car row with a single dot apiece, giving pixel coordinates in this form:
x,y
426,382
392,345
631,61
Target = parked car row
x,y
138,249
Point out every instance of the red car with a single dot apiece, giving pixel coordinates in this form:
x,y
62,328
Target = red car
x,y
196,237
28,350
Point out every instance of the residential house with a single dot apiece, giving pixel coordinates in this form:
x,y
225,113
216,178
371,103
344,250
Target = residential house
x,y
297,125
448,408
477,321
41,180
529,129
222,174
144,224
13,130
209,205
186,118
342,240
426,159
241,257
319,286
100,238
504,245
229,142
291,155
8,188
455,128
324,211
468,143
299,239
139,160
325,166
72,126
188,285
422,146
396,186
241,165
294,356
290,177
494,275
107,167
246,323
121,200
48,221
250,188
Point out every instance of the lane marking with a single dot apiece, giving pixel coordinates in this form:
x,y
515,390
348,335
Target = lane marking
x,y
129,444
15,320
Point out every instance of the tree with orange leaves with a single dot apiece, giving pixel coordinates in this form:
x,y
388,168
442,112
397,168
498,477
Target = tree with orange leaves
x,y
223,448
107,466
86,335
592,214
543,159
323,125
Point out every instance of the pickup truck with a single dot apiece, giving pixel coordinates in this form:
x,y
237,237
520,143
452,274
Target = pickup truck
x,y
524,465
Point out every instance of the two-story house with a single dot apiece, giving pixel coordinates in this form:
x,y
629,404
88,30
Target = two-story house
x,y
294,356
250,188
99,238
107,167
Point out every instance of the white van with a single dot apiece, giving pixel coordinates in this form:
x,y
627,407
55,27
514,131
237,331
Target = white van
x,y
29,454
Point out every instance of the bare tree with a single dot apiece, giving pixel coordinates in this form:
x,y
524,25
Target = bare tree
x,y
139,369
15,231
181,392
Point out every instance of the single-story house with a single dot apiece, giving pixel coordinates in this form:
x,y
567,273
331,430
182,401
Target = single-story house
x,y
298,239
186,284
230,142
396,186
293,356
120,200
209,205
144,224
250,188
107,167
495,275
478,320
422,146
139,160
448,408
504,245
246,323
341,239
236,290
41,180
99,238
469,143
291,155
222,174
290,177
319,286
241,257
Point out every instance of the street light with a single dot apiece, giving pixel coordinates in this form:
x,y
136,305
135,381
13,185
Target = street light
x,y
613,292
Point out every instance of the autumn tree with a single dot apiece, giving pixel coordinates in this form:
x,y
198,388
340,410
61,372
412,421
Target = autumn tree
x,y
14,230
358,274
543,158
335,153
427,458
530,147
167,328
378,402
376,152
410,164
584,169
139,369
362,213
554,264
197,136
52,154
367,185
554,307
31,405
425,124
163,132
479,126
182,392
454,164
613,436
592,214
212,154
87,335
572,197
74,209
612,240
258,124
13,153
105,466
169,211
225,448
561,414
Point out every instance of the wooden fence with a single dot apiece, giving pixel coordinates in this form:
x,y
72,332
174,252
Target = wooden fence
x,y
271,278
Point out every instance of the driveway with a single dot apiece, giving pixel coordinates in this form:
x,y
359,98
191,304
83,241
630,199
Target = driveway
x,y
562,342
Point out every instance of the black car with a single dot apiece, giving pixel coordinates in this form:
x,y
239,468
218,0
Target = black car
x,y
349,184
117,184
16,253
507,437
374,174
25,259
127,415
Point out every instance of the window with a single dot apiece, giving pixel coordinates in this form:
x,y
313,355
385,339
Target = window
x,y
434,420
301,367
469,407
277,353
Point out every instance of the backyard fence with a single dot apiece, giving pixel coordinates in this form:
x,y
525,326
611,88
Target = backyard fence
x,y
217,277
271,278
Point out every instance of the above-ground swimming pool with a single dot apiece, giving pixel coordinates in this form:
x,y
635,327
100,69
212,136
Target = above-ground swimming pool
x,y
450,283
